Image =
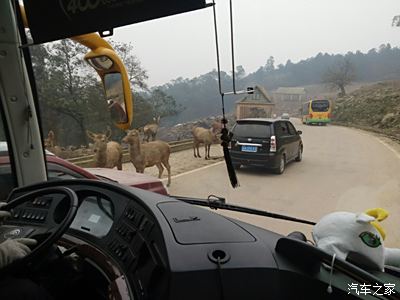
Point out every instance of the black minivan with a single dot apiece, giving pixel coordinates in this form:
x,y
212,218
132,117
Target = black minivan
x,y
270,143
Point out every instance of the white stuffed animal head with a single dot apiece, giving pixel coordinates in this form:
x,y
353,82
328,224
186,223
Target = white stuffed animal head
x,y
345,232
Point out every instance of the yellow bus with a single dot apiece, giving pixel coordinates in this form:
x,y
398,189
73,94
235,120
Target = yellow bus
x,y
317,112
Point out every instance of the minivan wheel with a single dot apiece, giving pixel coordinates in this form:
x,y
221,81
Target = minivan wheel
x,y
282,164
299,154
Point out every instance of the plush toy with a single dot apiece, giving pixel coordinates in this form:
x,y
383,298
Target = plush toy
x,y
345,233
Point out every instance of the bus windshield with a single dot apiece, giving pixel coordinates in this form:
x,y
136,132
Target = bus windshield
x,y
320,105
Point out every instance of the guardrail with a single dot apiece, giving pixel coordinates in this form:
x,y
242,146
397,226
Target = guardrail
x,y
87,160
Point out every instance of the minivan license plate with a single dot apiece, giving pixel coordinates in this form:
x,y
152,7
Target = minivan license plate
x,y
249,148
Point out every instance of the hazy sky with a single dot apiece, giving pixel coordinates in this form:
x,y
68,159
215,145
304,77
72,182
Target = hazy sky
x,y
184,46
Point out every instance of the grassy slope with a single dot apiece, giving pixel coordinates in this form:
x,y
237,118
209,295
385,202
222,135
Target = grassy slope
x,y
376,106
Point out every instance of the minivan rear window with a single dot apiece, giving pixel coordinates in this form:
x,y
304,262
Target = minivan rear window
x,y
254,130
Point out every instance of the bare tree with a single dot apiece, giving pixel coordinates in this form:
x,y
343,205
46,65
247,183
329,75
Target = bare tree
x,y
240,72
270,65
396,21
339,76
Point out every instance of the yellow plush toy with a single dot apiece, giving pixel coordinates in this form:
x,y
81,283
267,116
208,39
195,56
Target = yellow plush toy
x,y
342,233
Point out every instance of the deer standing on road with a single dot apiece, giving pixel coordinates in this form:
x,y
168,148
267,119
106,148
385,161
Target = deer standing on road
x,y
107,154
148,154
151,129
203,136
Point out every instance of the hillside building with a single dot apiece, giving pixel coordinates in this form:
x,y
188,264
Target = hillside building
x,y
294,94
256,105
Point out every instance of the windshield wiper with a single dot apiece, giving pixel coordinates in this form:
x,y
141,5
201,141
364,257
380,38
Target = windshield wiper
x,y
215,202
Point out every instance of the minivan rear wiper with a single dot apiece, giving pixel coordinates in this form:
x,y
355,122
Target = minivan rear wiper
x,y
215,202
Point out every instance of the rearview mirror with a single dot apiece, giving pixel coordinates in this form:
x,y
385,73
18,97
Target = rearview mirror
x,y
114,77
115,97
299,132
102,63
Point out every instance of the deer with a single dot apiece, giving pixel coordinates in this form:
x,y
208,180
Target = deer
x,y
151,129
148,154
216,126
203,136
49,142
107,154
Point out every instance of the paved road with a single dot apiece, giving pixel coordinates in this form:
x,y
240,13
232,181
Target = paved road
x,y
342,169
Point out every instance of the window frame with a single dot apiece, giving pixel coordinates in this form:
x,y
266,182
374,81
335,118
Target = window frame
x,y
290,127
9,153
281,125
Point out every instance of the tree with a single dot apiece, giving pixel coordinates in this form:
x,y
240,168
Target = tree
x,y
136,74
163,104
142,112
40,59
396,21
240,72
289,64
270,65
69,76
340,75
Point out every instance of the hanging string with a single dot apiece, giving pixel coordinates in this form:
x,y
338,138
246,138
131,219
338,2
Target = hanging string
x,y
217,50
329,289
226,137
29,130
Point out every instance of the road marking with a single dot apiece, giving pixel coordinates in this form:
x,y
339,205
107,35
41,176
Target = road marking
x,y
389,147
194,170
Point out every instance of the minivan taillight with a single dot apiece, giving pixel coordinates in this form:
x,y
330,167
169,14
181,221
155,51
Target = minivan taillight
x,y
273,144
